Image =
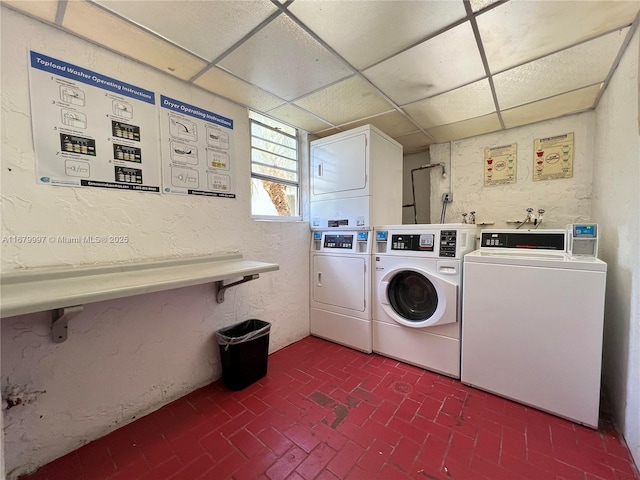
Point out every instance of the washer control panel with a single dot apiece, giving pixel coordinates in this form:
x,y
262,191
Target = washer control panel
x,y
417,243
448,240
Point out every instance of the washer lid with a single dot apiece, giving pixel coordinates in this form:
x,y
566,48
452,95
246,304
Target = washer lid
x,y
535,259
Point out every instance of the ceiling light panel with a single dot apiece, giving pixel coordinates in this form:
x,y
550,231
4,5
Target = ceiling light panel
x,y
44,10
366,32
94,23
285,60
207,29
295,116
586,64
517,32
345,101
392,123
466,128
228,86
473,100
566,104
443,63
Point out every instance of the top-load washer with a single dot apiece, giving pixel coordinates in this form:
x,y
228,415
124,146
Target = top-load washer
x,y
417,293
533,319
340,296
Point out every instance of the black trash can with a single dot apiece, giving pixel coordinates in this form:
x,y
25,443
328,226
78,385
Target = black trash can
x,y
244,351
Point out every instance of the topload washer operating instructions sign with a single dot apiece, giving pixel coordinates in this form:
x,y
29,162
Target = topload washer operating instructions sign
x,y
91,130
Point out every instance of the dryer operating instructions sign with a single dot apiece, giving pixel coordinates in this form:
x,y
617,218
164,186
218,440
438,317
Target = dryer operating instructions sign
x,y
91,130
196,150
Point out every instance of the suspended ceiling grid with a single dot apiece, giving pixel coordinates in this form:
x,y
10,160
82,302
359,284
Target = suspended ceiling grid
x,y
422,71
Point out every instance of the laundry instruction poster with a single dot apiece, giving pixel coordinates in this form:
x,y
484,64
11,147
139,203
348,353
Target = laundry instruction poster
x,y
91,130
196,150
500,165
553,157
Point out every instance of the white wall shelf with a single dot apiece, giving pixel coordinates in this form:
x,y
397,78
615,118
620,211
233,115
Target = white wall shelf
x,y
64,290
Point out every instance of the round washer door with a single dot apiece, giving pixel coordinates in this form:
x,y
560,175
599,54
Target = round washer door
x,y
416,298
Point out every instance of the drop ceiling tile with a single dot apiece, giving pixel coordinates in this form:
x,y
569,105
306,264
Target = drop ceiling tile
x,y
226,85
46,10
473,100
392,123
298,118
285,60
577,67
326,133
466,128
366,32
517,32
205,28
430,68
477,5
568,103
98,25
345,101
413,142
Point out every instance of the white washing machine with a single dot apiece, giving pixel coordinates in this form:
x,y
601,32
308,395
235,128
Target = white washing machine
x,y
340,296
417,293
533,320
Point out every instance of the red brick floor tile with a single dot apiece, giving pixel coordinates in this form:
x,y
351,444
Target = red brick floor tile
x,y
282,468
246,443
375,456
513,443
315,461
275,440
330,436
225,468
488,446
404,455
202,464
258,465
432,454
302,437
345,459
326,412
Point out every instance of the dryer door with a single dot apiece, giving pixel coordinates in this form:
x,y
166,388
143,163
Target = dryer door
x,y
417,298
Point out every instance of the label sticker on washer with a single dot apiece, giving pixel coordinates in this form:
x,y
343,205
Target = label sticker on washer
x,y
426,241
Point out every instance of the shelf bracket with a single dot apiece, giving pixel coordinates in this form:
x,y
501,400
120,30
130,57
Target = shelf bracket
x,y
60,321
221,287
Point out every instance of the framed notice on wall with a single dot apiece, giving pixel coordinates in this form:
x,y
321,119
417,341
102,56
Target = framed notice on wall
x,y
553,157
500,165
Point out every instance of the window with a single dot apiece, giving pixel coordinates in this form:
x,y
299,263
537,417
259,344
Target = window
x,y
274,168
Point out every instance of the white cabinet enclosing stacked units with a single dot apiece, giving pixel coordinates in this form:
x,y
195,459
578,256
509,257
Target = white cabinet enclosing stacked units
x,y
356,183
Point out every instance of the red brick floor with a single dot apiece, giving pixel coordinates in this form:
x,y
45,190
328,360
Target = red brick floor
x,y
328,412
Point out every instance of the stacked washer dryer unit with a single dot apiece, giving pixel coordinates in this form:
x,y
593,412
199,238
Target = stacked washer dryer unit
x,y
355,184
418,293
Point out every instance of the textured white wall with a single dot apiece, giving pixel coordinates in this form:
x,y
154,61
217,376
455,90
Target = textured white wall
x,y
564,200
616,208
127,357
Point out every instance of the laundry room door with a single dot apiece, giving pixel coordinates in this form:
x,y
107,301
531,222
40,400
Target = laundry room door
x,y
339,168
339,281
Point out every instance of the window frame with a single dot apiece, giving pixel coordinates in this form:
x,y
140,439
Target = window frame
x,y
263,177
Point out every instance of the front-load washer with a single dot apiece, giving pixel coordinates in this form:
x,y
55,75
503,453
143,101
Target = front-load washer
x,y
417,293
340,287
